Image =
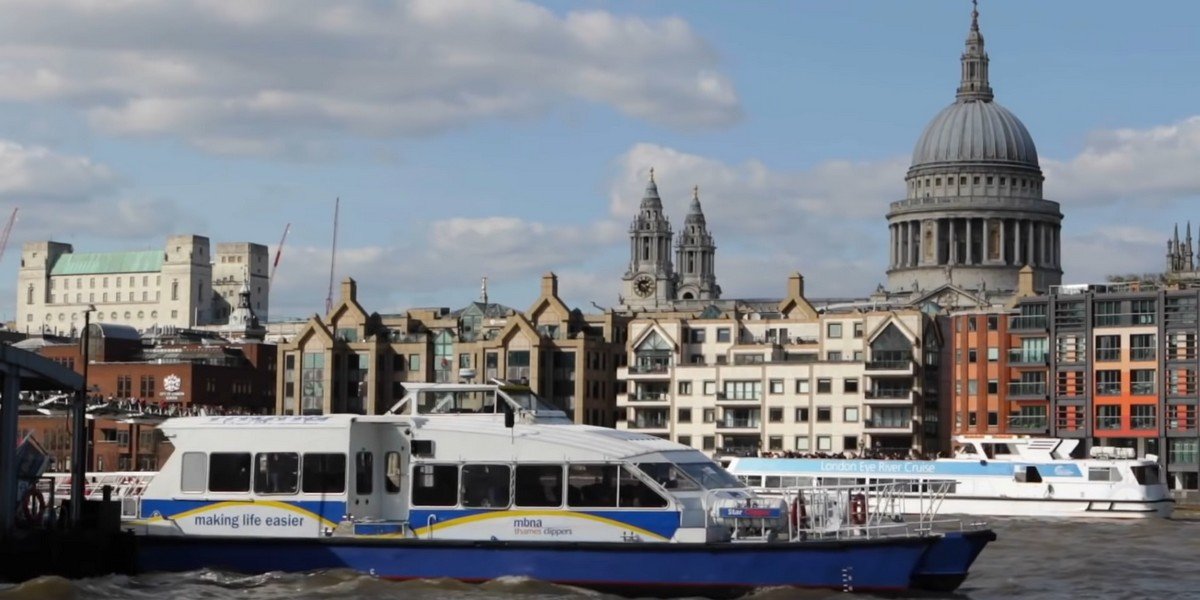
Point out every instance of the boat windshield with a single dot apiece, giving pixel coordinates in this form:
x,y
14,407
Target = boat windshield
x,y
530,401
670,476
710,475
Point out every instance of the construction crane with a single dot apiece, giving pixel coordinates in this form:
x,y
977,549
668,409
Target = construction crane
x,y
278,253
332,255
8,231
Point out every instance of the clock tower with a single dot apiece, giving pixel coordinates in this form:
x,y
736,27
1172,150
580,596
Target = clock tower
x,y
650,280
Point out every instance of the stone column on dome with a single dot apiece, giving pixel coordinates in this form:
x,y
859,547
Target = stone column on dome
x,y
1017,243
891,246
969,258
952,251
912,243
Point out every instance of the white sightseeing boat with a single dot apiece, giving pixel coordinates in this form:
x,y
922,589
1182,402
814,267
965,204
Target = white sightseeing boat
x,y
991,476
474,482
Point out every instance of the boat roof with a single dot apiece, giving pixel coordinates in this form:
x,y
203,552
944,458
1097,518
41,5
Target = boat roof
x,y
838,467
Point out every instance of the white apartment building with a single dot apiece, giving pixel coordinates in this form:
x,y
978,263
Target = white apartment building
x,y
181,285
773,376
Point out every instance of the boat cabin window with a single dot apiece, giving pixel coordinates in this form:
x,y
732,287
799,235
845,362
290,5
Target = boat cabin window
x,y
1103,474
324,473
391,479
539,485
276,472
634,493
195,470
364,473
530,401
435,485
772,481
456,401
710,476
1027,474
670,476
1147,474
592,485
229,472
751,480
485,486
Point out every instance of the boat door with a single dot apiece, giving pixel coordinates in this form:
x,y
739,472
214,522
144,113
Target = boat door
x,y
393,488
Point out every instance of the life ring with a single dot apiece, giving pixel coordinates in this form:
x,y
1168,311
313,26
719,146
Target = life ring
x,y
858,509
799,514
34,506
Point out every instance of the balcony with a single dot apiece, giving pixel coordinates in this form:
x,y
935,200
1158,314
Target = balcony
x,y
649,371
1027,323
1027,358
1108,422
892,396
722,397
739,423
888,426
650,397
1027,389
896,365
649,420
1028,423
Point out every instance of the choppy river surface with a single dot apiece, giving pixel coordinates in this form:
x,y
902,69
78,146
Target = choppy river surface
x,y
1031,559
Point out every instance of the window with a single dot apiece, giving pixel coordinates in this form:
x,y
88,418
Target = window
x,y
1108,416
824,414
850,414
776,386
722,334
993,354
1108,383
276,472
802,386
1103,474
1143,312
635,493
824,385
858,329
993,322
802,443
1108,347
801,415
972,387
1142,346
833,330
775,442
993,418
850,385
743,390
324,473
485,486
229,472
1142,416
824,442
833,356
392,473
364,473
710,442
685,388
993,386
710,388
414,362
592,485
685,440
710,415
971,355
775,414
434,485
1141,382
685,415
195,465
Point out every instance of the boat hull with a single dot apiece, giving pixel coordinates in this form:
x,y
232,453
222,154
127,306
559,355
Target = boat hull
x,y
1049,507
946,563
715,570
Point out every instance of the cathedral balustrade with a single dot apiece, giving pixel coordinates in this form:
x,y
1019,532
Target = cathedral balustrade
x,y
977,202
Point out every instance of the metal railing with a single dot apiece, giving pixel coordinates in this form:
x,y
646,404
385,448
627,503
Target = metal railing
x,y
1028,323
1027,388
1027,357
1028,422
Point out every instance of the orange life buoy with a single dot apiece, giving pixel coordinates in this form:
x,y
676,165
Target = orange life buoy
x,y
34,506
799,514
858,509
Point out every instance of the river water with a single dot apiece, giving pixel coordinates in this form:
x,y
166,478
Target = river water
x,y
1031,559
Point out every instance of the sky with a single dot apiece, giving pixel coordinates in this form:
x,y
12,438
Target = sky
x,y
512,138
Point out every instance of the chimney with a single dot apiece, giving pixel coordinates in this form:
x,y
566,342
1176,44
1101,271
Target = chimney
x,y
550,285
1025,282
795,285
349,290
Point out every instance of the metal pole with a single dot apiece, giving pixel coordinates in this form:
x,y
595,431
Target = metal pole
x,y
79,432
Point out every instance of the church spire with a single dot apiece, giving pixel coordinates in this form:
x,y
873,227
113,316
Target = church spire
x,y
974,86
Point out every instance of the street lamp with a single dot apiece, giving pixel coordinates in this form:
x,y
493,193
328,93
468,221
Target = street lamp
x,y
79,441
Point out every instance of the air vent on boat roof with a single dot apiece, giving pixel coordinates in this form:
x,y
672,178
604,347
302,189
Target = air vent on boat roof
x,y
422,448
627,435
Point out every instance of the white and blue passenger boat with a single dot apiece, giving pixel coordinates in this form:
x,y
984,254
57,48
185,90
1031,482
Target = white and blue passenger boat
x,y
474,482
991,475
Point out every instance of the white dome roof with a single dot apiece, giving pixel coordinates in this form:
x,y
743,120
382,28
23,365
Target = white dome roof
x,y
975,131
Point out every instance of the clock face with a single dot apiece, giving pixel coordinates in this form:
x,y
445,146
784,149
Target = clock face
x,y
643,286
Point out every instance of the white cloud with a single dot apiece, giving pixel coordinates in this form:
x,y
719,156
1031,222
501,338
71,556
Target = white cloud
x,y
1137,165
238,77
35,173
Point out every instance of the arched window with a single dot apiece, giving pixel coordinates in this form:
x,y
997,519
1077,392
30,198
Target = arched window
x,y
29,295
175,289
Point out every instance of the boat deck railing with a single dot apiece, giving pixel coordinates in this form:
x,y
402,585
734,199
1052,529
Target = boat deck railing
x,y
125,487
859,510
